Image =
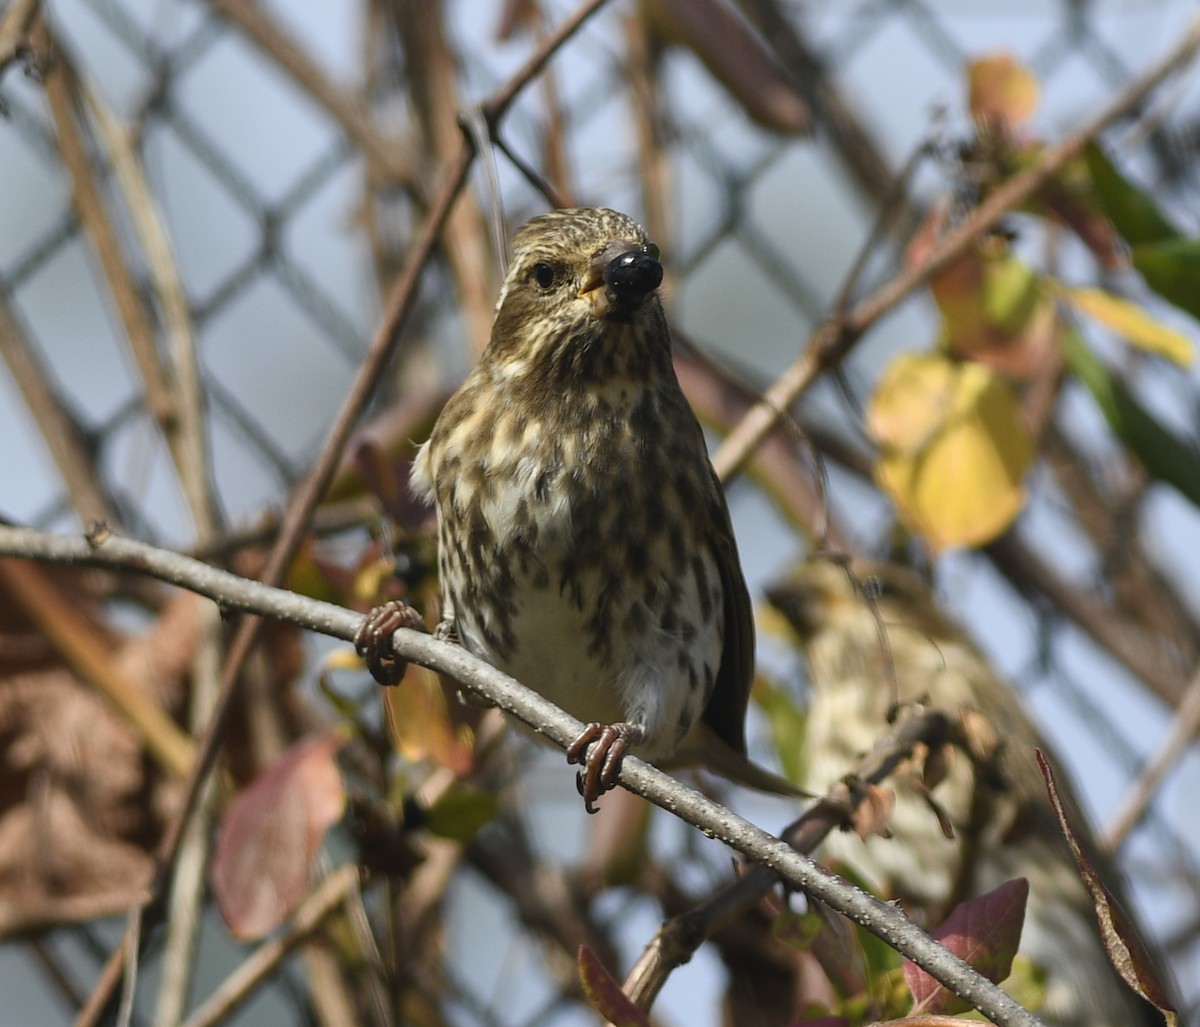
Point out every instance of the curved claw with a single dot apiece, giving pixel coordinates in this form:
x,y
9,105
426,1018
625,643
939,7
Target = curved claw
x,y
373,640
603,763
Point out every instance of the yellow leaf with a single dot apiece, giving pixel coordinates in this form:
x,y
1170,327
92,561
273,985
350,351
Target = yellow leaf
x,y
342,658
1001,89
1131,321
953,448
426,722
909,405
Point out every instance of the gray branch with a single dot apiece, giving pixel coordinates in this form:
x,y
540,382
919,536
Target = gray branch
x,y
235,593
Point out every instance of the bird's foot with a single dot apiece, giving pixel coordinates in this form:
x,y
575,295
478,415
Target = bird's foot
x,y
373,640
602,765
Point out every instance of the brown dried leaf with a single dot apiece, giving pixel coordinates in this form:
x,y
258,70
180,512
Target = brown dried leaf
x,y
1121,938
271,834
985,931
936,766
81,808
979,735
872,811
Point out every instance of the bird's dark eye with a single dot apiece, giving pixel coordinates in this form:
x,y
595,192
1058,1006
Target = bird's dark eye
x,y
543,275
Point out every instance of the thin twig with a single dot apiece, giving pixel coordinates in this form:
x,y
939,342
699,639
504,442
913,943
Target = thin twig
x,y
332,1003
645,100
1125,641
1137,798
1139,593
475,125
496,105
554,196
787,466
61,87
430,69
323,901
191,455
60,975
192,466
880,918
253,20
896,192
61,434
131,940
680,937
553,137
829,343
308,494
15,25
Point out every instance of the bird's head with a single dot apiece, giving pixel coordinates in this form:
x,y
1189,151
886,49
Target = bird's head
x,y
581,297
831,595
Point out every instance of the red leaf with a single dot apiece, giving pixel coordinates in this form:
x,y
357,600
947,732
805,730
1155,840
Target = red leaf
x,y
985,931
271,834
605,994
1125,948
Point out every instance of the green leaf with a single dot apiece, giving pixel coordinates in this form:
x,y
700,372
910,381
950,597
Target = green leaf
x,y
796,929
1165,456
1172,269
1132,212
785,717
461,812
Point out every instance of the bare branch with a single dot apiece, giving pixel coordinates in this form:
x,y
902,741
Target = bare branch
x,y
323,901
62,93
15,25
678,939
835,337
1138,797
880,918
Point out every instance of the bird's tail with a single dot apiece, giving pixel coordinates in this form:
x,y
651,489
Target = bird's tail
x,y
705,748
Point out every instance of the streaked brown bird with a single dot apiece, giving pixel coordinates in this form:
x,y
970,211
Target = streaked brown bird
x,y
585,546
1003,824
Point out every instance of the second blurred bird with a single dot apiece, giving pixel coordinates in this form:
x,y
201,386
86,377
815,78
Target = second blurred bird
x,y
1003,824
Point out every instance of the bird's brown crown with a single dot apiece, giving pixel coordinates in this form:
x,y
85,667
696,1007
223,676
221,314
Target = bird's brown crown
x,y
579,302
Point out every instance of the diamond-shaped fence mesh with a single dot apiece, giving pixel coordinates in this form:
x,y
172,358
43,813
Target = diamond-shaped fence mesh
x,y
286,155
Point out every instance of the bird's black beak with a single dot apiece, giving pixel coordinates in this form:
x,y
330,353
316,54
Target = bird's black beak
x,y
620,277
